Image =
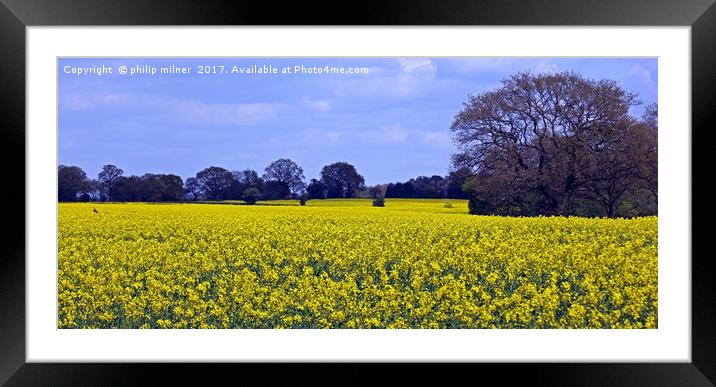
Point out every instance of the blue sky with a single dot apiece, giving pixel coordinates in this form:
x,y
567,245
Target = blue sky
x,y
392,123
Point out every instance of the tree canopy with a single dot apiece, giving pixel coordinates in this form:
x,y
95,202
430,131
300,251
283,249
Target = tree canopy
x,y
287,172
215,182
108,179
540,143
71,182
341,180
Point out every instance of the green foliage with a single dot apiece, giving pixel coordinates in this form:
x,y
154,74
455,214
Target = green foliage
x,y
251,195
304,198
71,182
478,206
379,201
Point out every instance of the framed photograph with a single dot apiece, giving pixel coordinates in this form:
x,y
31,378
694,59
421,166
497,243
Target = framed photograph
x,y
456,183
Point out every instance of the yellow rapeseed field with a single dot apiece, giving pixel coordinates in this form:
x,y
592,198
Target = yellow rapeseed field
x,y
346,264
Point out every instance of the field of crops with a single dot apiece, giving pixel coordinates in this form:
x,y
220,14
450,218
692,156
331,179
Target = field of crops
x,y
346,264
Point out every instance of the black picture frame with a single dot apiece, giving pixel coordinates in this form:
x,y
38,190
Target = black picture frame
x,y
15,15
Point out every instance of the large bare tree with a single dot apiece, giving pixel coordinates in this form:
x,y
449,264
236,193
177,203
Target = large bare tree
x,y
549,138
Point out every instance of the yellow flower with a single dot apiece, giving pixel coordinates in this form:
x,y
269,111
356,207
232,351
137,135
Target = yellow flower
x,y
346,264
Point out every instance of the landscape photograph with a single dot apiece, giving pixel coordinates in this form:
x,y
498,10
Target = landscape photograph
x,y
357,193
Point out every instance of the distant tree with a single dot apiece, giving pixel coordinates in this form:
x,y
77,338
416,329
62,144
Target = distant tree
x,y
275,190
192,187
129,189
379,201
375,191
94,192
71,183
316,189
84,197
173,187
390,191
236,188
456,181
400,190
341,180
148,188
152,188
288,172
215,182
249,178
408,190
362,193
425,187
108,178
428,187
303,198
251,195
438,184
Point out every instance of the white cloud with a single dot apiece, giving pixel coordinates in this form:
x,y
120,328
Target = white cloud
x,y
77,102
387,134
333,136
437,139
545,67
642,75
374,71
181,109
91,101
223,113
470,66
476,65
413,65
317,137
321,105
412,77
393,134
112,99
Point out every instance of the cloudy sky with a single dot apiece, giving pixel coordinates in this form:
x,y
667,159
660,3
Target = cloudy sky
x,y
392,123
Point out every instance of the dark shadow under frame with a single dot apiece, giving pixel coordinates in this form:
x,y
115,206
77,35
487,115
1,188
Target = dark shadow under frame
x,y
15,15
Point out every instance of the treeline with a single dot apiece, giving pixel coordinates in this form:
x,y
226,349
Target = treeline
x,y
282,179
433,187
558,144
74,185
